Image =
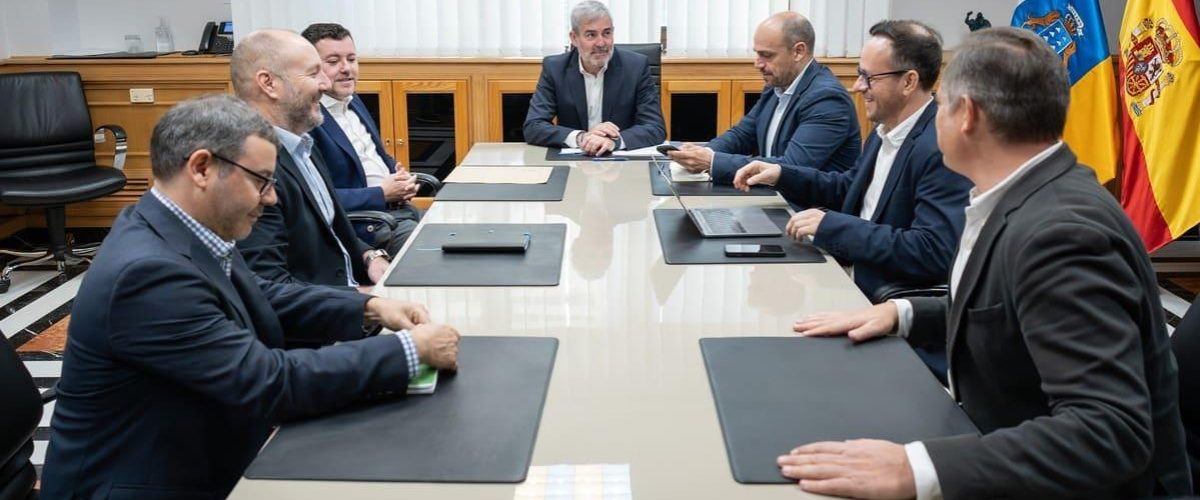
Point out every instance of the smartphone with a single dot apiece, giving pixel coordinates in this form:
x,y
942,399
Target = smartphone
x,y
736,250
664,148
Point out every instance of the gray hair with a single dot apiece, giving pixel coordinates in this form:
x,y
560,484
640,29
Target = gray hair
x,y
258,50
1015,79
217,122
585,11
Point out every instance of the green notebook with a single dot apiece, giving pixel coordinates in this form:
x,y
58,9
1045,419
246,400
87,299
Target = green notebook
x,y
425,382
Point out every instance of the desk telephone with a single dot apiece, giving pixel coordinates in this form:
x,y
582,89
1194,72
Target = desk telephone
x,y
217,38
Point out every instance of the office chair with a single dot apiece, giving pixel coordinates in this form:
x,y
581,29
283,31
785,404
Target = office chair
x,y
1185,343
653,52
47,158
22,411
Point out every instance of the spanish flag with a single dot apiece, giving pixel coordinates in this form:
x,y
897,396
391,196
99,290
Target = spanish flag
x,y
1075,30
1160,118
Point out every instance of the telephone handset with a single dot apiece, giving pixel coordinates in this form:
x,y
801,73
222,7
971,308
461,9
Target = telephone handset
x,y
217,38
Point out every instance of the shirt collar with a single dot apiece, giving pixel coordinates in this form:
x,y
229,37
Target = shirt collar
x,y
896,136
987,200
294,144
602,70
220,248
795,82
332,103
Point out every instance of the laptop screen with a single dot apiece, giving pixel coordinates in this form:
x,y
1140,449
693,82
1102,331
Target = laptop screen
x,y
665,171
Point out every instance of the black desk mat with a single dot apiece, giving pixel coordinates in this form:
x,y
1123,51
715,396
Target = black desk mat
x,y
682,243
776,393
659,187
552,190
424,263
478,427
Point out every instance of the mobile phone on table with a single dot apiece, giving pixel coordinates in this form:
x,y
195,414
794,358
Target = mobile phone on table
x,y
663,149
742,250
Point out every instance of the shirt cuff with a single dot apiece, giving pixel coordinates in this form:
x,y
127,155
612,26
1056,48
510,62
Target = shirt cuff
x,y
620,143
410,352
572,139
924,474
904,317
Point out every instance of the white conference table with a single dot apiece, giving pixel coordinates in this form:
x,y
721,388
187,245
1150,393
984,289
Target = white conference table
x,y
629,384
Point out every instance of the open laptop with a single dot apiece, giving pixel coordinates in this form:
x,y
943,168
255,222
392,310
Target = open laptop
x,y
723,222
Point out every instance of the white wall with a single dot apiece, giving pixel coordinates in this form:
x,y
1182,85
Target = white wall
x,y
3,31
947,17
82,25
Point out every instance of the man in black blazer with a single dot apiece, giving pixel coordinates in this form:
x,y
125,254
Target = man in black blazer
x,y
897,215
306,236
177,364
804,117
604,98
1055,334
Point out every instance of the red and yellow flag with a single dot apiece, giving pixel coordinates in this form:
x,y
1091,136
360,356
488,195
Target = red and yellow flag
x,y
1160,99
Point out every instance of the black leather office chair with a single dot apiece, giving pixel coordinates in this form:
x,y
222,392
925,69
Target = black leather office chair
x,y
653,52
1185,342
47,157
22,410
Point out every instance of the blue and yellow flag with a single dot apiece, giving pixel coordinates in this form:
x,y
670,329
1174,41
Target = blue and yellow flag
x,y
1075,30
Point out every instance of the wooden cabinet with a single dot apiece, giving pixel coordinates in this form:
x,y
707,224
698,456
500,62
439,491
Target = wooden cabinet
x,y
507,105
696,110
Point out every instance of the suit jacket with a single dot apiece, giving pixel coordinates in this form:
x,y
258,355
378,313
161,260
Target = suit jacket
x,y
819,129
291,241
911,237
1185,342
630,101
1058,351
343,165
174,373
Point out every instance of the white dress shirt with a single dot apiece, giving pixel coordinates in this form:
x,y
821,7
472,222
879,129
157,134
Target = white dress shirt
x,y
783,98
977,213
300,147
888,149
593,86
360,139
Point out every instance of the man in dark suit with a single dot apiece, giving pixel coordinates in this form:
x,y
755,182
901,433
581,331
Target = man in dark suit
x,y
604,98
306,236
176,366
804,117
897,215
364,175
1055,333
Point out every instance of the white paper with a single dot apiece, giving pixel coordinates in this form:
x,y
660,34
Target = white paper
x,y
680,174
576,482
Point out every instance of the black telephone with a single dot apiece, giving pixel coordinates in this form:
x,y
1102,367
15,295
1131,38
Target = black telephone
x,y
217,38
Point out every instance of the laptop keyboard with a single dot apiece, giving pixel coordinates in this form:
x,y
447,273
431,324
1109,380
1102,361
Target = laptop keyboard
x,y
721,220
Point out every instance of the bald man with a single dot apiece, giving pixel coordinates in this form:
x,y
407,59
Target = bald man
x,y
804,117
306,236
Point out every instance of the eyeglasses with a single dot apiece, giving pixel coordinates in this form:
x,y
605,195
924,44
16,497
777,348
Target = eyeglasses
x,y
867,78
264,182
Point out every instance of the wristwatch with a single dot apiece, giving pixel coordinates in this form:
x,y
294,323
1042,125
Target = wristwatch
x,y
373,254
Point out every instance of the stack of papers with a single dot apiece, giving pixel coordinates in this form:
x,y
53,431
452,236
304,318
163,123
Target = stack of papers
x,y
680,174
425,382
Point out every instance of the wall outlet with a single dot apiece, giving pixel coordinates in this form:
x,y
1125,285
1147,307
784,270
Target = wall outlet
x,y
141,95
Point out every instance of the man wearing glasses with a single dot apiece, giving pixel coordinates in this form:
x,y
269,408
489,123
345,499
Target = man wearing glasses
x,y
306,236
178,360
897,215
804,117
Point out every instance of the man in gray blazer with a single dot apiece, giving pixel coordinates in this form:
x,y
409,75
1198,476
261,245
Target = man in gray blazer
x,y
1055,335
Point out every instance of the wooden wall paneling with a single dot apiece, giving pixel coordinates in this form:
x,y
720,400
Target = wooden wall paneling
x,y
495,104
740,89
719,87
462,113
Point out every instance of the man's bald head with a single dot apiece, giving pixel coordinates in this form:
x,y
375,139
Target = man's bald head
x,y
782,47
794,27
279,73
265,49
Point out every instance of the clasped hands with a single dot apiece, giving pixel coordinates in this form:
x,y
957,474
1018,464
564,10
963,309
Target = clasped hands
x,y
600,140
437,344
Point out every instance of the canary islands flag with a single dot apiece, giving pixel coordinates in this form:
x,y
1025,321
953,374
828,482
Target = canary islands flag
x,y
1160,119
1075,30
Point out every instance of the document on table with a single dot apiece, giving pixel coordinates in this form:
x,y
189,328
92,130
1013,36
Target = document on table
x,y
646,151
500,175
576,482
680,174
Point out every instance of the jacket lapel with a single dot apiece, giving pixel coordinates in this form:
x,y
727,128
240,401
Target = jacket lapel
x,y
864,171
1037,176
331,127
181,239
266,326
360,109
901,160
576,92
612,84
288,165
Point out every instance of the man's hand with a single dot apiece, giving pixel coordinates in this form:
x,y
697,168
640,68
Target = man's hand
x,y
393,189
595,144
860,325
755,173
395,314
376,268
410,182
862,468
437,345
693,158
607,129
804,223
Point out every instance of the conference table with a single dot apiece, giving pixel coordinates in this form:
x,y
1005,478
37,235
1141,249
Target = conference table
x,y
629,384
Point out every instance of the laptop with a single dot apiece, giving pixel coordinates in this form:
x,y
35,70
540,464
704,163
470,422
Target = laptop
x,y
724,222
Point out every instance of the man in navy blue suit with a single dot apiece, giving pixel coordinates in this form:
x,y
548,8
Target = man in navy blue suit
x,y
804,117
177,363
604,98
364,175
898,214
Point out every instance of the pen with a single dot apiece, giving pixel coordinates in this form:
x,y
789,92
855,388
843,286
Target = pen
x,y
608,158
